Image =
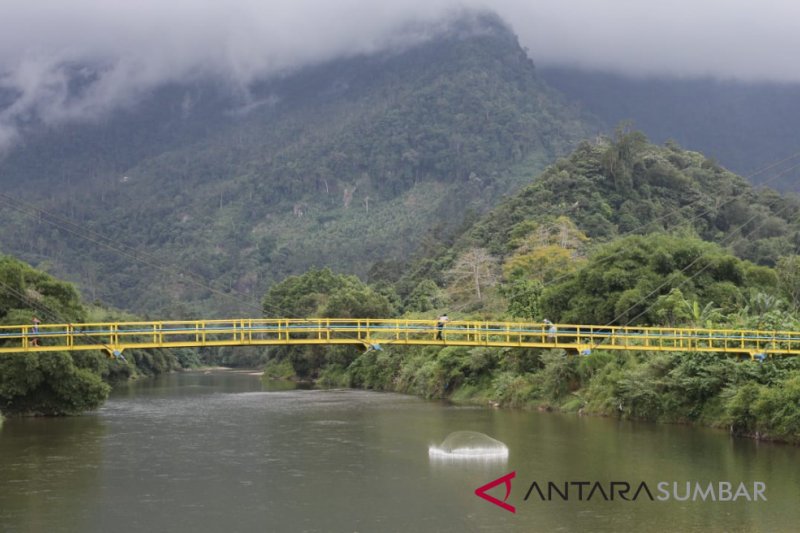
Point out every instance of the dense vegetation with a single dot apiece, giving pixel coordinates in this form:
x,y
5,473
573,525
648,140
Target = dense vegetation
x,y
601,192
631,186
559,249
58,383
746,397
341,164
193,202
654,280
743,125
321,293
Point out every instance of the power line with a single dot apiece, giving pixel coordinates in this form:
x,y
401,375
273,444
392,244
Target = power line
x,y
49,312
683,270
687,279
772,165
689,205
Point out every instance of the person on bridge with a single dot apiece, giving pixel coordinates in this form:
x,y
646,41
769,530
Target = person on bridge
x,y
551,330
35,331
440,322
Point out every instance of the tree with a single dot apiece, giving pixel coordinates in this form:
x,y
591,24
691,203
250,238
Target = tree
x,y
561,232
672,309
321,293
474,271
547,250
48,383
26,291
523,297
619,157
788,270
624,281
425,296
51,383
703,316
543,264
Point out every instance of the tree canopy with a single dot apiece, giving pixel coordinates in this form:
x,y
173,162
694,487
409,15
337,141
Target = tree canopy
x,y
632,281
62,383
625,185
322,293
49,383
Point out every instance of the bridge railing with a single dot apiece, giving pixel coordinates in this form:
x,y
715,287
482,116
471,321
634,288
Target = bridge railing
x,y
118,336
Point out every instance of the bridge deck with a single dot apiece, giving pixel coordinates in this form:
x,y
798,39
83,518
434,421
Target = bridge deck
x,y
119,336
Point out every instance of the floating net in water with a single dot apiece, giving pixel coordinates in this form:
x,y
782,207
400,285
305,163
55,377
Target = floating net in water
x,y
469,445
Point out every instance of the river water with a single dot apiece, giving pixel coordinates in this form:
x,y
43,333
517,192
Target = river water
x,y
219,452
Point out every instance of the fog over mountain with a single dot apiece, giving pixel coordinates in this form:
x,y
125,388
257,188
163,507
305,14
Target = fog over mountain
x,y
79,60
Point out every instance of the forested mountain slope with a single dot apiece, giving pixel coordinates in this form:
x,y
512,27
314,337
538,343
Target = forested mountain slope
x,y
626,185
341,164
606,189
744,126
617,233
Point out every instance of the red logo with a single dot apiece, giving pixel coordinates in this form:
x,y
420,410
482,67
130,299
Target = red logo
x,y
481,491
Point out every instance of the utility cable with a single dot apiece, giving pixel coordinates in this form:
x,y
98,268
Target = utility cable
x,y
51,314
648,308
683,270
689,205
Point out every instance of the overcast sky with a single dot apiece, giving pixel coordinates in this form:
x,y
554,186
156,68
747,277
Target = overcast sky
x,y
142,43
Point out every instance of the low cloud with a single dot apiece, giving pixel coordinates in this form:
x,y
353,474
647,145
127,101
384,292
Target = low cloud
x,y
63,61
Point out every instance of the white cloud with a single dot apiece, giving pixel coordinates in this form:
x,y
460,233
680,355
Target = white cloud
x,y
148,42
737,39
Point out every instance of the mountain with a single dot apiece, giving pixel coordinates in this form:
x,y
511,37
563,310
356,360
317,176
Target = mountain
x,y
606,189
744,126
196,198
627,185
617,233
609,231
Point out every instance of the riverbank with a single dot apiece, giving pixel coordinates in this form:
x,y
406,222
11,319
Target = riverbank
x,y
746,398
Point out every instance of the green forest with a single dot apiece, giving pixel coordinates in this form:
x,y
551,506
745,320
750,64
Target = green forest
x,y
444,177
743,125
619,232
704,249
64,383
341,165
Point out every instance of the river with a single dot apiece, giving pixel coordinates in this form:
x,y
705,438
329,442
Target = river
x,y
219,452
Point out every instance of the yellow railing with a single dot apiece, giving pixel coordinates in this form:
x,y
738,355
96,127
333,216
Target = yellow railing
x,y
115,337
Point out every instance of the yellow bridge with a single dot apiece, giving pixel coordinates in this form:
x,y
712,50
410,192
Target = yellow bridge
x,y
115,337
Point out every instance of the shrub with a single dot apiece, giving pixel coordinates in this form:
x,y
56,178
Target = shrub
x,y
278,369
739,408
514,390
48,384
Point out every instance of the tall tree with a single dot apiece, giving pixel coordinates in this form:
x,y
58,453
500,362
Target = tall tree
x,y
788,270
50,383
548,250
474,271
